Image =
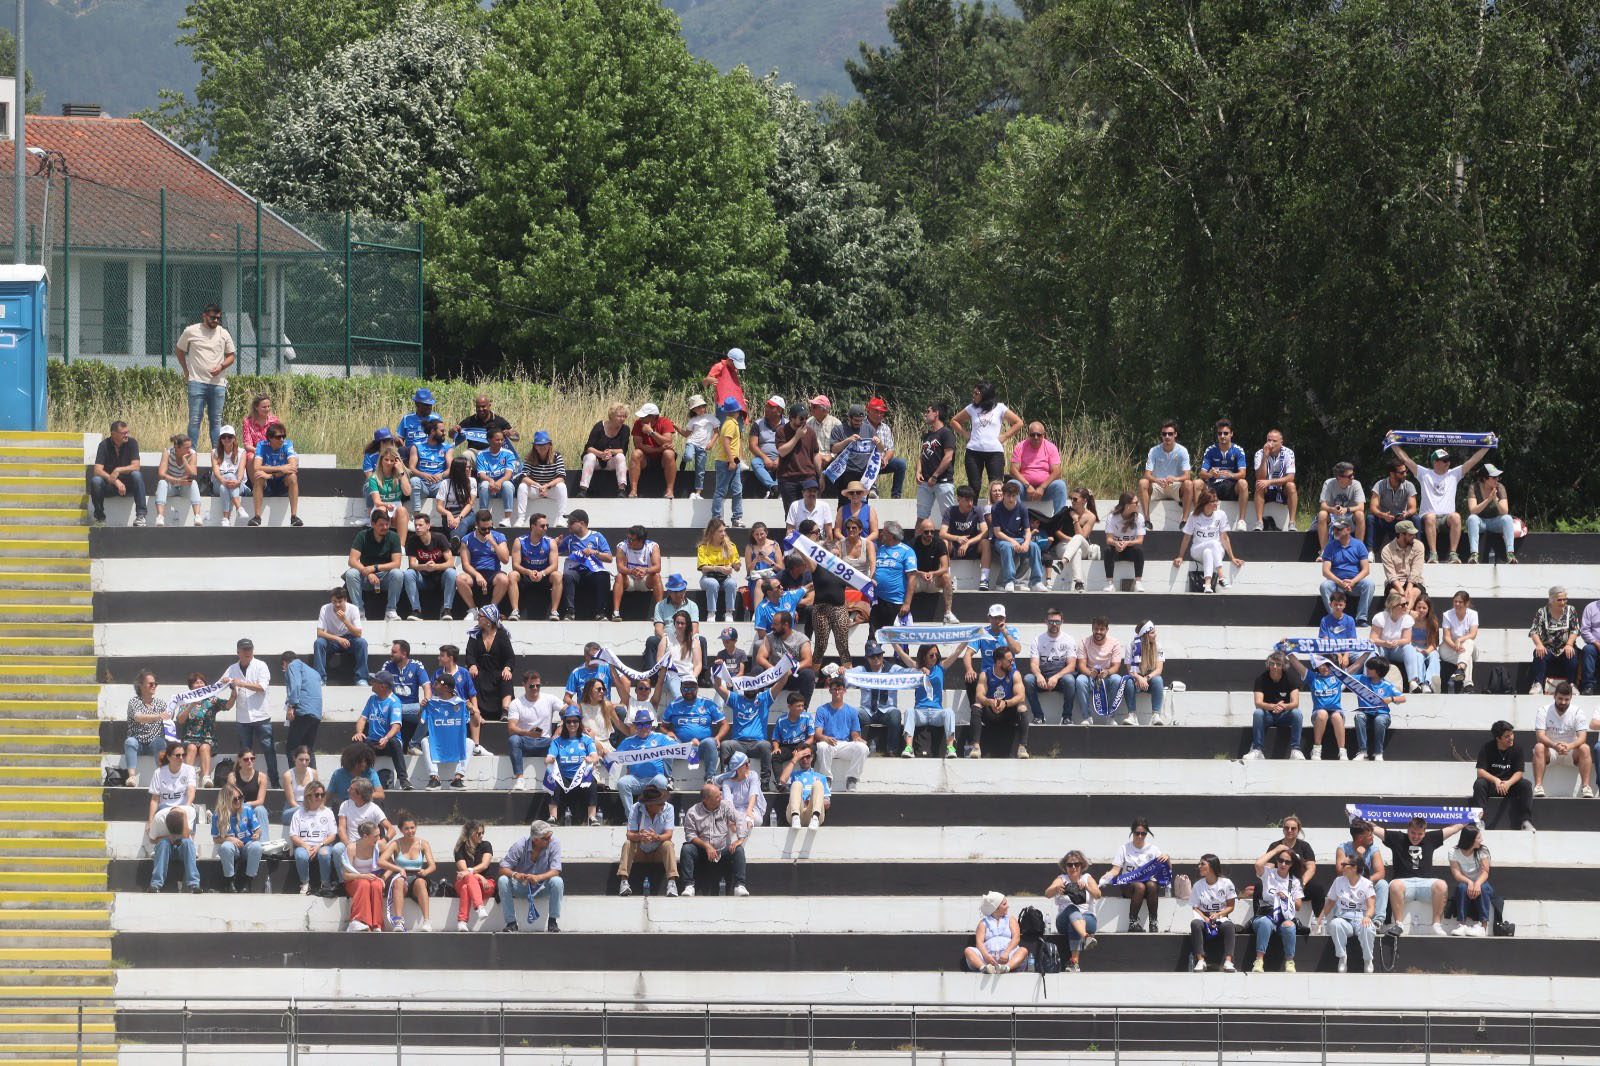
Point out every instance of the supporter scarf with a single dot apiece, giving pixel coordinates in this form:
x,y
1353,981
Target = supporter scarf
x,y
1155,870
885,680
837,468
1355,684
487,611
833,564
478,438
1440,439
552,778
766,679
1401,814
1106,695
609,657
195,695
631,756
1318,646
929,634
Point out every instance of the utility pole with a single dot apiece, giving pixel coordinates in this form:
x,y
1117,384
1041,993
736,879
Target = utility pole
x,y
19,205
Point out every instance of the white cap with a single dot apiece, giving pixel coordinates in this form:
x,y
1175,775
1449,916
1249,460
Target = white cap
x,y
649,410
997,610
736,357
227,431
991,903
777,401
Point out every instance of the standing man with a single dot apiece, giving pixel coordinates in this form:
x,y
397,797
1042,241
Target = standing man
x,y
250,677
936,483
205,352
1274,466
116,467
797,456
878,423
1224,469
1036,463
726,380
302,702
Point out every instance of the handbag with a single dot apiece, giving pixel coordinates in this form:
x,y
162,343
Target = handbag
x,y
1182,886
275,849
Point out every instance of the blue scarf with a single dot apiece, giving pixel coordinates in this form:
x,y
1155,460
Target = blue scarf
x,y
1155,870
1440,439
841,463
1401,814
1320,646
832,563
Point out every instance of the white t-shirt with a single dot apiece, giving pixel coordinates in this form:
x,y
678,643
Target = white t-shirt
x,y
537,714
356,816
172,789
250,706
1208,898
204,348
1054,650
330,620
1279,892
313,827
1131,858
1348,897
1561,728
1438,491
822,514
1204,528
1393,628
1123,528
701,428
1459,627
986,426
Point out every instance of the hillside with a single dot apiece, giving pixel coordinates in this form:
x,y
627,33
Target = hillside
x,y
115,53
807,41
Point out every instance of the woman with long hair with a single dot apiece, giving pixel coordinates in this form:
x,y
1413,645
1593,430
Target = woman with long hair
x,y
1425,639
1145,666
253,430
178,475
543,477
1077,895
929,707
1068,532
475,875
197,725
1139,849
1125,540
570,752
457,499
387,487
407,861
717,558
1213,900
680,645
359,871
1205,540
763,557
602,720
227,474
988,426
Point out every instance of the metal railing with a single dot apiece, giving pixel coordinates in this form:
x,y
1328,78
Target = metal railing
x,y
244,1029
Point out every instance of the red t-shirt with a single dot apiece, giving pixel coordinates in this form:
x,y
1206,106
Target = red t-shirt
x,y
723,377
663,425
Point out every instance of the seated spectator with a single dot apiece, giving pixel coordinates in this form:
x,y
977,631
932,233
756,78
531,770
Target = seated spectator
x,y
649,839
1440,483
810,507
1140,848
838,736
1052,666
1425,642
638,570
593,668
1146,665
652,445
532,868
1374,717
572,755
355,762
1402,565
1066,538
684,651
1589,633
1345,567
313,831
429,460
844,442
1205,540
456,499
928,707
413,425
360,808
1036,463
1125,528
775,596
638,777
965,531
1394,500
585,554
893,564
339,632
1274,467
1488,508
497,470
1561,735
407,863
543,477
607,447
534,559
1459,633
1363,850
810,793
491,663
252,783
374,564
379,725
730,656
1101,661
932,573
1341,498
474,858
853,504
999,702
1500,773
763,558
178,475
1012,540
1304,865
763,442
782,639
446,721
1276,906
148,719
988,426
747,714
675,601
1327,695
997,946
717,558
792,733
485,575
1411,879
387,487
363,883
238,834
1391,634
197,721
995,634
1555,643
383,440
253,430
603,720
1277,698
1167,474
116,469
741,789
881,707
1077,895
475,429
693,719
713,834
228,476
431,564
1350,911
1470,864
1337,625
170,821
301,776
1223,470
1213,901
276,472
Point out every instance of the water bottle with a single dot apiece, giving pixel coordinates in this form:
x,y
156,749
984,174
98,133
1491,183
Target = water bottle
x,y
647,884
772,817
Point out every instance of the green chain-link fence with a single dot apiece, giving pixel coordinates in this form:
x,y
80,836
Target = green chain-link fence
x,y
300,292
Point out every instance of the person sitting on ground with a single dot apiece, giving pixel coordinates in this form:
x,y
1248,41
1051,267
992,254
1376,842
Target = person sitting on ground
x,y
1391,635
407,863
1274,468
148,718
197,720
543,477
1350,911
1000,703
1125,528
1346,566
532,868
386,489
1167,474
430,564
1459,631
1488,508
1213,900
1277,698
932,573
116,469
1139,849
1440,482
1100,661
1425,642
485,576
747,714
1146,666
1470,863
475,870
717,558
1012,540
652,444
1500,772
228,475
1341,497
374,563
238,833
853,504
312,833
1205,540
585,554
638,570
649,839
428,460
1554,634
693,719
1561,735
838,740
456,500
997,942
171,819
1036,463
1077,895
178,475
571,755
276,472
792,732
607,446
1394,500
1223,470
339,632
810,507
1402,565
764,457
379,725
713,834
1411,879
1374,717
497,470
810,793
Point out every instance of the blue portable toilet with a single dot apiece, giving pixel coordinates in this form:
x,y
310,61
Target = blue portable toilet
x,y
23,347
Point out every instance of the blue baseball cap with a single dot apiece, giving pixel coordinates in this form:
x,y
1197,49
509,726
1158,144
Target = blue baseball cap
x,y
643,717
730,406
676,583
541,437
383,433
729,633
422,396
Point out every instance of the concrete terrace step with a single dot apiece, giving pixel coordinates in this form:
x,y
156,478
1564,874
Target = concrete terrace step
x,y
59,829
44,516
46,693
58,956
58,728
63,922
52,455
45,644
43,546
53,900
69,535
32,981
52,847
23,809
46,752
46,880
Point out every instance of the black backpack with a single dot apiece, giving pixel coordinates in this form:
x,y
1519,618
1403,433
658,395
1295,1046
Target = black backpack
x,y
1499,683
1044,955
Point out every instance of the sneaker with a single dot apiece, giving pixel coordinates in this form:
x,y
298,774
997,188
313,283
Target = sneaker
x,y
1362,754
514,616
1073,967
816,822
1253,754
511,927
1316,753
1438,929
1343,966
950,618
138,520
555,616
1588,792
1291,527
794,821
1199,965
397,926
580,492
255,520
1040,586
391,616
1511,557
458,782
434,783
1433,557
357,927
1478,930
1529,827
305,888
413,617
1238,527
425,927
740,890
551,926
1255,527
160,521
597,820
1089,942
1473,558
672,888
294,520
461,927
1534,689
1288,966
1259,967
1461,930
1156,719
908,752
1370,968
1009,586
478,749
1022,753
1228,967
975,752
1538,792
1378,757
1296,753
983,584
520,785
695,496
133,780
1138,586
625,889
1454,558
1135,926
950,751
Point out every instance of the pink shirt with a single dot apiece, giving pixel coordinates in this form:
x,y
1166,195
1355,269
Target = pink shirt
x,y
1034,462
1102,656
251,434
727,384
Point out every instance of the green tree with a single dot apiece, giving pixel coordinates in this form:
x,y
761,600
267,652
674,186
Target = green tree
x,y
619,213
369,127
33,101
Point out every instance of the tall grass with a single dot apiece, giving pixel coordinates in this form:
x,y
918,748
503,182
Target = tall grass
x,y
338,415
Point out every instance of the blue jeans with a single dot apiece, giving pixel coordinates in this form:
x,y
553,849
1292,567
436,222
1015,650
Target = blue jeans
x,y
708,755
629,787
1589,655
1083,693
323,647
1379,721
722,594
696,455
100,488
1158,693
520,748
1409,658
897,468
257,736
507,494
1284,719
302,865
421,492
1064,925
1065,688
1055,495
209,400
133,747
1552,664
186,854
1500,524
390,582
730,482
767,478
1264,928
1480,909
1429,662
1363,596
413,581
228,854
1008,556
554,889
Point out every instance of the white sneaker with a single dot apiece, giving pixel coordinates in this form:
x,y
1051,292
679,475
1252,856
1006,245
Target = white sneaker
x,y
133,780
357,927
483,912
1291,527
521,785
1343,966
461,927
425,927
740,890
1378,757
305,888
1438,930
1228,967
1238,527
695,496
478,749
1040,586
672,888
160,521
1588,792
1316,753
1156,719
1138,586
688,891
391,616
1256,527
816,822
1344,755
1009,586
950,618
1534,690
1199,965
1478,930
1370,968
1253,754
1022,753
1461,930
794,821
1538,792
1297,754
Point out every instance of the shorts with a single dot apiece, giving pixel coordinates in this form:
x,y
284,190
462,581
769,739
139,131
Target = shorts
x,y
967,552
1275,494
1570,758
635,584
1329,711
1173,492
275,486
1418,888
1223,487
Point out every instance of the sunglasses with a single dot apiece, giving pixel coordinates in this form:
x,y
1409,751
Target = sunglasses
x,y
1141,832
1168,433
248,758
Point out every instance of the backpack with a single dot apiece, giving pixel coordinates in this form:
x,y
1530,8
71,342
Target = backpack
x,y
1044,955
1030,923
1499,683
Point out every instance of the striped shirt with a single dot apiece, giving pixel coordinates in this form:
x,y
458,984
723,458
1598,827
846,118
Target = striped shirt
x,y
544,473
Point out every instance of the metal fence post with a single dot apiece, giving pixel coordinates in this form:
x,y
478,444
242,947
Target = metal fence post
x,y
1116,1036
708,1034
397,1036
605,1034
348,285
259,315
1427,1037
183,1034
1013,1036
289,1035
502,1033
913,1034
162,331
80,1023
1324,1016
1219,1037
420,300
1533,1026
66,276
811,1035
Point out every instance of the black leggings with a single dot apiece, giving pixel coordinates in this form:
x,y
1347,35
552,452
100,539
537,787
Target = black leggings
x,y
1142,893
576,802
1134,555
982,468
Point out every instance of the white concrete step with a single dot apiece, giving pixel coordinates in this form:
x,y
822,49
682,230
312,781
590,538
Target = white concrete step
x,y
149,459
